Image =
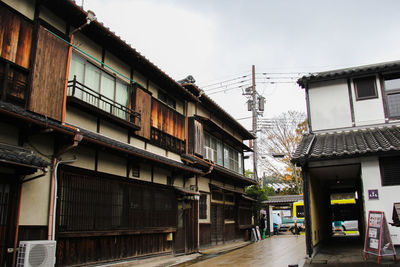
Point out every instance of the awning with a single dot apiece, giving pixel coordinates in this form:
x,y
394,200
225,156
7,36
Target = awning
x,y
185,192
22,159
213,186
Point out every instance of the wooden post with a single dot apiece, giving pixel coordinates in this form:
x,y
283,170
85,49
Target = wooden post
x,y
5,82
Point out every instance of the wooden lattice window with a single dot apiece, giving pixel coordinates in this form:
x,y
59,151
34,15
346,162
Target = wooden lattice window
x,y
203,206
390,170
94,201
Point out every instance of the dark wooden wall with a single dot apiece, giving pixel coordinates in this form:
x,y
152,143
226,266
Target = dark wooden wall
x,y
15,37
86,250
167,120
49,72
230,232
205,234
143,105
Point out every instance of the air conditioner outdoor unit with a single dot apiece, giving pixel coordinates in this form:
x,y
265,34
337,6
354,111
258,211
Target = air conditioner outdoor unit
x,y
209,153
41,253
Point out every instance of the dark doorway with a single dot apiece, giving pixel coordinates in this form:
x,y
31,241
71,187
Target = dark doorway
x,y
186,232
7,219
217,224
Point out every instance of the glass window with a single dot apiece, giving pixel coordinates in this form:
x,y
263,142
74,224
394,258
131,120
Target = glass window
x,y
365,88
107,89
220,154
226,157
392,90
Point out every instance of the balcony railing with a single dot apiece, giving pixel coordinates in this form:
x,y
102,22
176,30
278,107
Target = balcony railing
x,y
82,93
167,141
13,82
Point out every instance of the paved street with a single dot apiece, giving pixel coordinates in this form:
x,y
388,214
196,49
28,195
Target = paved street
x,y
276,251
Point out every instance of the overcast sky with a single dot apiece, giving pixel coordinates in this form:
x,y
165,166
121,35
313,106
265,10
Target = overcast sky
x,y
220,40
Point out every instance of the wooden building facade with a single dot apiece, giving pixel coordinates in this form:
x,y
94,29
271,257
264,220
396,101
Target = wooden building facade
x,y
102,151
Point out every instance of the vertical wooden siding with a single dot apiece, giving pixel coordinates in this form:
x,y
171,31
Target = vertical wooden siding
x,y
167,120
143,105
15,37
49,75
195,137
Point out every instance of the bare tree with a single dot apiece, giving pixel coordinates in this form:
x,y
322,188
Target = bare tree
x,y
278,140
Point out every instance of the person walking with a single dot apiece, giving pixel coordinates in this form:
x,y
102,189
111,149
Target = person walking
x,y
262,226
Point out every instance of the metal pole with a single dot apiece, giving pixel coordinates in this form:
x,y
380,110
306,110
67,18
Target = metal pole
x,y
254,109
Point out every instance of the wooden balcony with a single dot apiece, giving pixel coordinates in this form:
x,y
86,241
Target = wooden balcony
x,y
101,105
13,82
167,141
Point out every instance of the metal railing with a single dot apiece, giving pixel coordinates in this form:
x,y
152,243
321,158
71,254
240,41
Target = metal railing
x,y
95,99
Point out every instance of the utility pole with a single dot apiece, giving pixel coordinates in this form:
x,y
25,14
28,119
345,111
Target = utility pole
x,y
254,115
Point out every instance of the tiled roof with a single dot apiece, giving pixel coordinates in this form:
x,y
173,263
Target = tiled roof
x,y
348,72
92,137
283,199
19,155
353,143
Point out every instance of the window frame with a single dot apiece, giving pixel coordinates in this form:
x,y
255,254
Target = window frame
x,y
203,214
386,93
358,98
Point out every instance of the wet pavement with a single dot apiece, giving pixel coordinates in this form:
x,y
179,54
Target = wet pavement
x,y
348,251
276,251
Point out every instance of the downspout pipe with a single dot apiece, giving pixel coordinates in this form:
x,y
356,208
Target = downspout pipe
x,y
77,138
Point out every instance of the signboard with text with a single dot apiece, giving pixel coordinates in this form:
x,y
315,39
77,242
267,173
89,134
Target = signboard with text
x,y
377,237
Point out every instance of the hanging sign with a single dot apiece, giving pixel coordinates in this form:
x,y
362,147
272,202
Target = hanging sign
x,y
377,238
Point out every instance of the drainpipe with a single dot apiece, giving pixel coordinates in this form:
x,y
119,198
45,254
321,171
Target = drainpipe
x,y
89,18
77,138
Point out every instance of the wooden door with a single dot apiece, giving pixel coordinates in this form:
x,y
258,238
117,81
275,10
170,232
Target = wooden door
x,y
7,219
179,244
217,224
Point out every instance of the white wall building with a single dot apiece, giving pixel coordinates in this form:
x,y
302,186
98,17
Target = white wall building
x,y
353,145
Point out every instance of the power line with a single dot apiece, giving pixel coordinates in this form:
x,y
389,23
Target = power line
x,y
218,83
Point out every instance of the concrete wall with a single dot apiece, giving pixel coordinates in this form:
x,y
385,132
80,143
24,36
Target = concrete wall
x,y
388,195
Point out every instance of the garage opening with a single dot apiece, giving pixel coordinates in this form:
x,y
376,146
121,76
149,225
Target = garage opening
x,y
336,205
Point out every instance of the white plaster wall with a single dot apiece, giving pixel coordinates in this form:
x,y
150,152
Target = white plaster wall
x,y
35,194
153,88
202,112
9,134
85,157
117,65
80,119
25,7
35,201
88,46
388,195
368,111
109,163
191,109
137,143
174,156
178,181
52,19
329,105
113,131
156,150
160,175
203,184
140,78
145,173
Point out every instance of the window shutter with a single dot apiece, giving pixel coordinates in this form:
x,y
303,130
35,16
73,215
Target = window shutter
x,y
390,170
